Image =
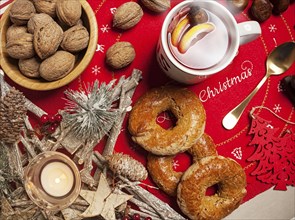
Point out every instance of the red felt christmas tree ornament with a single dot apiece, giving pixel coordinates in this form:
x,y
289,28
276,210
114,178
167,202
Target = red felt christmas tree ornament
x,y
274,155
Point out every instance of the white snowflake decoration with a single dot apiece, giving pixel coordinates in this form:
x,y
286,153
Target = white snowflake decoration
x,y
237,152
100,48
175,164
277,108
96,70
272,28
105,28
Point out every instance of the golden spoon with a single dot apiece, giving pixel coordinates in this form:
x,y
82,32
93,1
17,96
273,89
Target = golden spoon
x,y
278,61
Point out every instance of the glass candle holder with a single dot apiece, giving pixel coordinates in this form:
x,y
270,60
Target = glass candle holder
x,y
52,181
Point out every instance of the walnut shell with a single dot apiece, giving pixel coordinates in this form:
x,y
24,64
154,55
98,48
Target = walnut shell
x,y
30,67
21,11
120,55
47,39
261,10
69,11
279,6
14,30
21,46
127,15
57,66
38,21
237,5
156,5
75,39
46,6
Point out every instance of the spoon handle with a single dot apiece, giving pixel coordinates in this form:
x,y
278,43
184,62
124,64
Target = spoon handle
x,y
231,119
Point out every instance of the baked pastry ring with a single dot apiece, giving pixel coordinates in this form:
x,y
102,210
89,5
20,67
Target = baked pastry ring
x,y
161,167
186,107
226,173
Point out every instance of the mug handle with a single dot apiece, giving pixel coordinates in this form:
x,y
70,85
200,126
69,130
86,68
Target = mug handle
x,y
249,31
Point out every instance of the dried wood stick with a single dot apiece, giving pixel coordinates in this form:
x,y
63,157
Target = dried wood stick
x,y
5,87
84,153
163,209
127,92
117,88
116,129
79,207
2,86
80,202
17,193
28,147
144,207
34,139
56,144
21,202
15,156
132,82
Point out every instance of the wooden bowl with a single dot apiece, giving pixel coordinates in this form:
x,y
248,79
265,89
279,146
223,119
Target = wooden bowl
x,y
10,65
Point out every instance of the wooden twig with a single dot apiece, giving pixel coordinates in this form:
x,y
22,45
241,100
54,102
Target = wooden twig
x,y
28,147
5,87
133,81
127,92
16,162
156,206
86,151
21,203
56,144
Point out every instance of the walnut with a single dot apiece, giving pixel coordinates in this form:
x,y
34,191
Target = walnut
x,y
261,10
120,55
21,46
46,6
57,66
75,39
47,39
156,5
69,11
238,5
21,11
30,67
14,30
127,15
38,21
279,6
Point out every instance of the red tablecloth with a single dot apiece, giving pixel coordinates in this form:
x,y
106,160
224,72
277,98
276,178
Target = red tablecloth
x,y
251,58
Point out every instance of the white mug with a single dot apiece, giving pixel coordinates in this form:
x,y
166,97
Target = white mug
x,y
188,62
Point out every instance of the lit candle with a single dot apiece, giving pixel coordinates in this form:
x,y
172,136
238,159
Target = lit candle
x,y
57,179
52,181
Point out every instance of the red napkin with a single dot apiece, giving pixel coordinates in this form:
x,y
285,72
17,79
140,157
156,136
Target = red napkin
x,y
218,101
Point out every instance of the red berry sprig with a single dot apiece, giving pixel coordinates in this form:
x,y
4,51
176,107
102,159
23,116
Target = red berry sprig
x,y
50,122
136,216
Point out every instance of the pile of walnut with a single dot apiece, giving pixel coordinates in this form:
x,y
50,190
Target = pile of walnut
x,y
261,10
127,15
46,36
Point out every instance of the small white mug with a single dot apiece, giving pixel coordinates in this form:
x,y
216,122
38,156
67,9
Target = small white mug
x,y
218,40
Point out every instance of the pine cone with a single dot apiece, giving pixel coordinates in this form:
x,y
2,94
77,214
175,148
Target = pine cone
x,y
125,165
12,112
